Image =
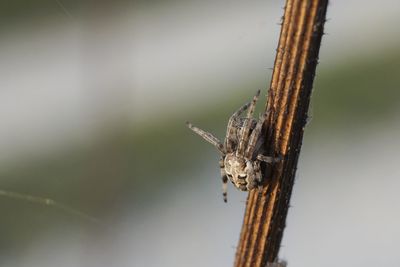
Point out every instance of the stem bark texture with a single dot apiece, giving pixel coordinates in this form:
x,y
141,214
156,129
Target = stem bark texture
x,y
288,102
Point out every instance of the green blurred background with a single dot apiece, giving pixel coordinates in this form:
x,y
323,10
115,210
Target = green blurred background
x,y
93,102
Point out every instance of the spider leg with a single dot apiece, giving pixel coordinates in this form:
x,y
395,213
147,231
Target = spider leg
x,y
268,159
224,179
258,174
231,129
207,136
244,133
255,134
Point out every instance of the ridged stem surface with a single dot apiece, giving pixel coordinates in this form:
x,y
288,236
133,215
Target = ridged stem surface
x,y
288,102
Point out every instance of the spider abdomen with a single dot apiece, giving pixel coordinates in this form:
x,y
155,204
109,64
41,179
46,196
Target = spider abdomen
x,y
240,172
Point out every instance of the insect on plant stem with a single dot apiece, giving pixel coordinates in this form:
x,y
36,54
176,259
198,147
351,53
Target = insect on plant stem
x,y
241,153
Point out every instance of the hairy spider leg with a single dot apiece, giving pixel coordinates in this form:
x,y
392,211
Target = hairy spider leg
x,y
257,171
224,179
208,137
231,129
254,136
268,159
244,133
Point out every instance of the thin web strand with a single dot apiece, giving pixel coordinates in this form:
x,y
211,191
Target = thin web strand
x,y
49,202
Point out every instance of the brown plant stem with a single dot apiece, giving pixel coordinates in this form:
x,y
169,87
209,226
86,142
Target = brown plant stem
x,y
288,102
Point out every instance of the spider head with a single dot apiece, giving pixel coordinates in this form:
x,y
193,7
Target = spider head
x,y
239,171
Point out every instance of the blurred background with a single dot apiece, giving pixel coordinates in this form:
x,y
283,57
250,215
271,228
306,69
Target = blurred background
x,y
93,102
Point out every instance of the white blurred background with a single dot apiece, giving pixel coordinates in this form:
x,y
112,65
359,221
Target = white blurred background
x,y
93,100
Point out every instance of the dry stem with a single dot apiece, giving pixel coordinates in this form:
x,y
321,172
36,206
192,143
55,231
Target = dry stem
x,y
288,101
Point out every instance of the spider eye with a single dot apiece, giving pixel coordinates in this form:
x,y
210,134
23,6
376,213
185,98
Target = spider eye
x,y
243,176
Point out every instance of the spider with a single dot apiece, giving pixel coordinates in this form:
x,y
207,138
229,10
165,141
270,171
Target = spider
x,y
241,159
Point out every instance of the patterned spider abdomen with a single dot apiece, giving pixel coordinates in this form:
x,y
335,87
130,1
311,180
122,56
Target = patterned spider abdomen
x,y
240,172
